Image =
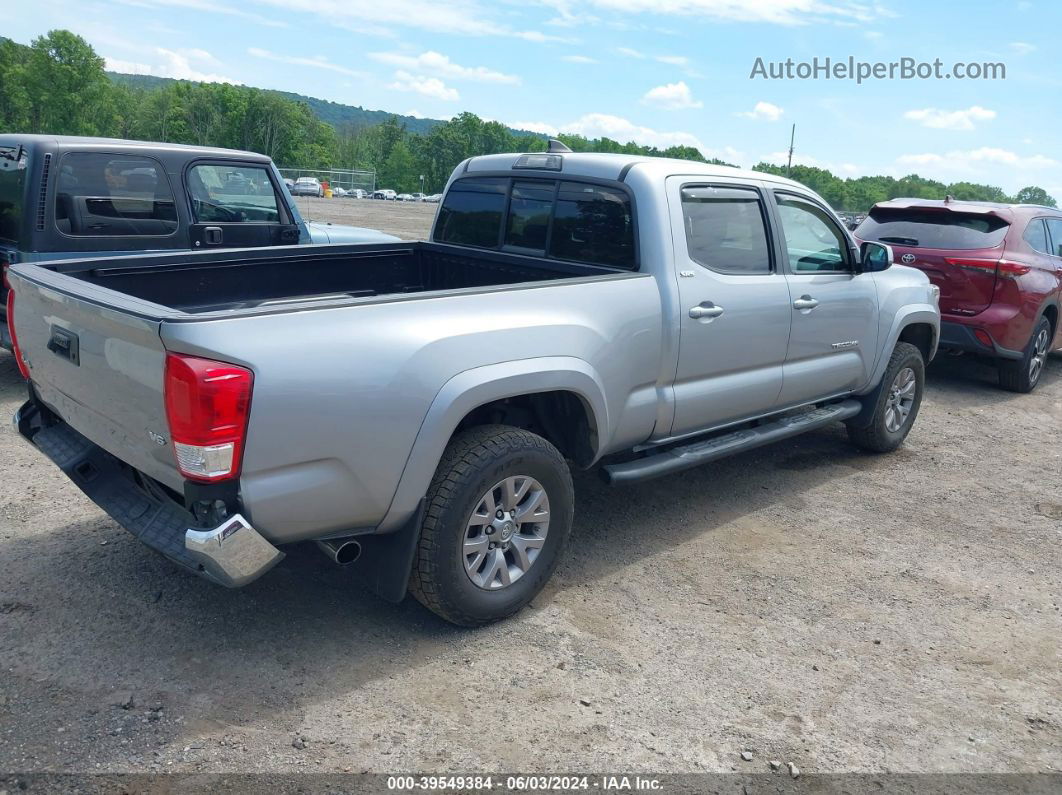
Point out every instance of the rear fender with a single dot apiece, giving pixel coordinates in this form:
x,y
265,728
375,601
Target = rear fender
x,y
476,387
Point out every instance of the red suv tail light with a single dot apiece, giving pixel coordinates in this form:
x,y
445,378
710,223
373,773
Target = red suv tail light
x,y
207,405
11,324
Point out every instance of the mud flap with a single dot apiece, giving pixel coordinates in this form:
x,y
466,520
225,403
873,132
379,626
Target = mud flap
x,y
386,559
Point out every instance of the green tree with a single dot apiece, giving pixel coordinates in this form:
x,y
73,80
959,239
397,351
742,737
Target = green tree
x,y
65,85
1035,195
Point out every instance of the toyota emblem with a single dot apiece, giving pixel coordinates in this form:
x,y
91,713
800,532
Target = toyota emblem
x,y
907,259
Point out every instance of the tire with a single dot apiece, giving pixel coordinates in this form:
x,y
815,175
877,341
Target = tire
x,y
476,463
881,434
1022,375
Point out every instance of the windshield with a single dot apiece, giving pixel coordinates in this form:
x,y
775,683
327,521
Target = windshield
x,y
13,162
924,228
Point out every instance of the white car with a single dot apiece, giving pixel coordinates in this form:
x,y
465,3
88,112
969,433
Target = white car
x,y
307,186
386,194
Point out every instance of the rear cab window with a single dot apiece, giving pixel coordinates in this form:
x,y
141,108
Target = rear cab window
x,y
927,228
108,195
725,229
559,219
14,164
233,194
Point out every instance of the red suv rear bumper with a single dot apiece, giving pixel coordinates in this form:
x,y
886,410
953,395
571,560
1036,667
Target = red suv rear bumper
x,y
999,331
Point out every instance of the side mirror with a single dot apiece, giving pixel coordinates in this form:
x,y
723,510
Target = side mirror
x,y
874,257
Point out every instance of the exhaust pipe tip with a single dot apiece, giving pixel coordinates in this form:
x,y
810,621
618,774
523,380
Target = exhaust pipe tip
x,y
342,551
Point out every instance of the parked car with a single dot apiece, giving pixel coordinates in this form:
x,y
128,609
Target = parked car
x,y
404,197
999,269
385,194
355,193
289,183
418,197
640,315
308,186
63,198
434,198
339,193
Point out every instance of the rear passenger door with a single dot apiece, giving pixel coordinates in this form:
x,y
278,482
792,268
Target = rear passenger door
x,y
734,311
234,205
833,343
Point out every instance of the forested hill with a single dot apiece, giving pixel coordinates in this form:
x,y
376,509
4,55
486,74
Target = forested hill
x,y
333,113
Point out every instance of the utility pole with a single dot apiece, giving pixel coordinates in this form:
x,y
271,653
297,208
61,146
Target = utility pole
x,y
792,137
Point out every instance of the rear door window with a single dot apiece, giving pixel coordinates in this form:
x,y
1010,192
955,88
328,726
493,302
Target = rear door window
x,y
1054,228
725,229
105,195
593,224
13,164
920,228
471,214
1036,235
233,194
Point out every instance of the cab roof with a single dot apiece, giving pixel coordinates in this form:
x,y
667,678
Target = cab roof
x,y
85,143
600,165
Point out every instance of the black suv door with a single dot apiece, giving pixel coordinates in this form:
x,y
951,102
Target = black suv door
x,y
235,205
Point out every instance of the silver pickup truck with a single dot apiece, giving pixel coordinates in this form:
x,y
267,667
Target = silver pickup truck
x,y
415,408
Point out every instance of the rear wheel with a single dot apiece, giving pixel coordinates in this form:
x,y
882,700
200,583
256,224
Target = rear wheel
x,y
1022,375
498,515
897,402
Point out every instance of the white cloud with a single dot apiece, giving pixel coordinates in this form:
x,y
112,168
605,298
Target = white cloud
x,y
578,59
970,160
674,60
1022,47
463,17
439,64
950,119
209,6
540,127
672,96
428,86
781,158
780,12
763,111
630,53
177,64
317,62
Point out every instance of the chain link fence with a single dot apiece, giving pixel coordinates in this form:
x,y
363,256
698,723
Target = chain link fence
x,y
347,179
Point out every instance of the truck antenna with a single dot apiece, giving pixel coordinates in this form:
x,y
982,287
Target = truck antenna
x,y
792,137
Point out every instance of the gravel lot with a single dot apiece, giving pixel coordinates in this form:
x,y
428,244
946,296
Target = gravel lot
x,y
805,602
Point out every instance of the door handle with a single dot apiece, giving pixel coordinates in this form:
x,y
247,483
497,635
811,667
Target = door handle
x,y
805,302
212,235
705,310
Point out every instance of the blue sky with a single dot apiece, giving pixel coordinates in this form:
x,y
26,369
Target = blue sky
x,y
655,71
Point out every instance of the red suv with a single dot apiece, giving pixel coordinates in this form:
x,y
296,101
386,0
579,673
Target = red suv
x,y
999,269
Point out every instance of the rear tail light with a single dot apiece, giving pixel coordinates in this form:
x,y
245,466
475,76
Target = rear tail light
x,y
22,368
1005,268
207,405
983,337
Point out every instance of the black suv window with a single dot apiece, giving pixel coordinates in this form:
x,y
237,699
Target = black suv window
x,y
725,229
593,224
232,194
928,228
104,195
1036,235
471,214
13,163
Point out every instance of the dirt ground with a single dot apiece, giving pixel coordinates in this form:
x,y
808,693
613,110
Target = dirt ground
x,y
804,602
407,220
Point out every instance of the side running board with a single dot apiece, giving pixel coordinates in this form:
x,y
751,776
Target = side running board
x,y
687,456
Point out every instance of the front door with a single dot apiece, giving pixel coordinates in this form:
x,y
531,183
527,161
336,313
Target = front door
x,y
734,305
834,340
236,206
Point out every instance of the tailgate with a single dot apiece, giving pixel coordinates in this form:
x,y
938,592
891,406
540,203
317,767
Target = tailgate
x,y
967,279
98,367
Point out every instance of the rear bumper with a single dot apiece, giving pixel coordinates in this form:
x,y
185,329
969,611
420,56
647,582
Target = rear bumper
x,y
231,554
961,337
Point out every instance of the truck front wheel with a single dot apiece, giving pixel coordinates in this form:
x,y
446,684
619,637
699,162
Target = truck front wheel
x,y
498,515
896,402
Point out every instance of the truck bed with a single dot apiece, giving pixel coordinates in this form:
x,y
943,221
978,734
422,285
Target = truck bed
x,y
218,281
